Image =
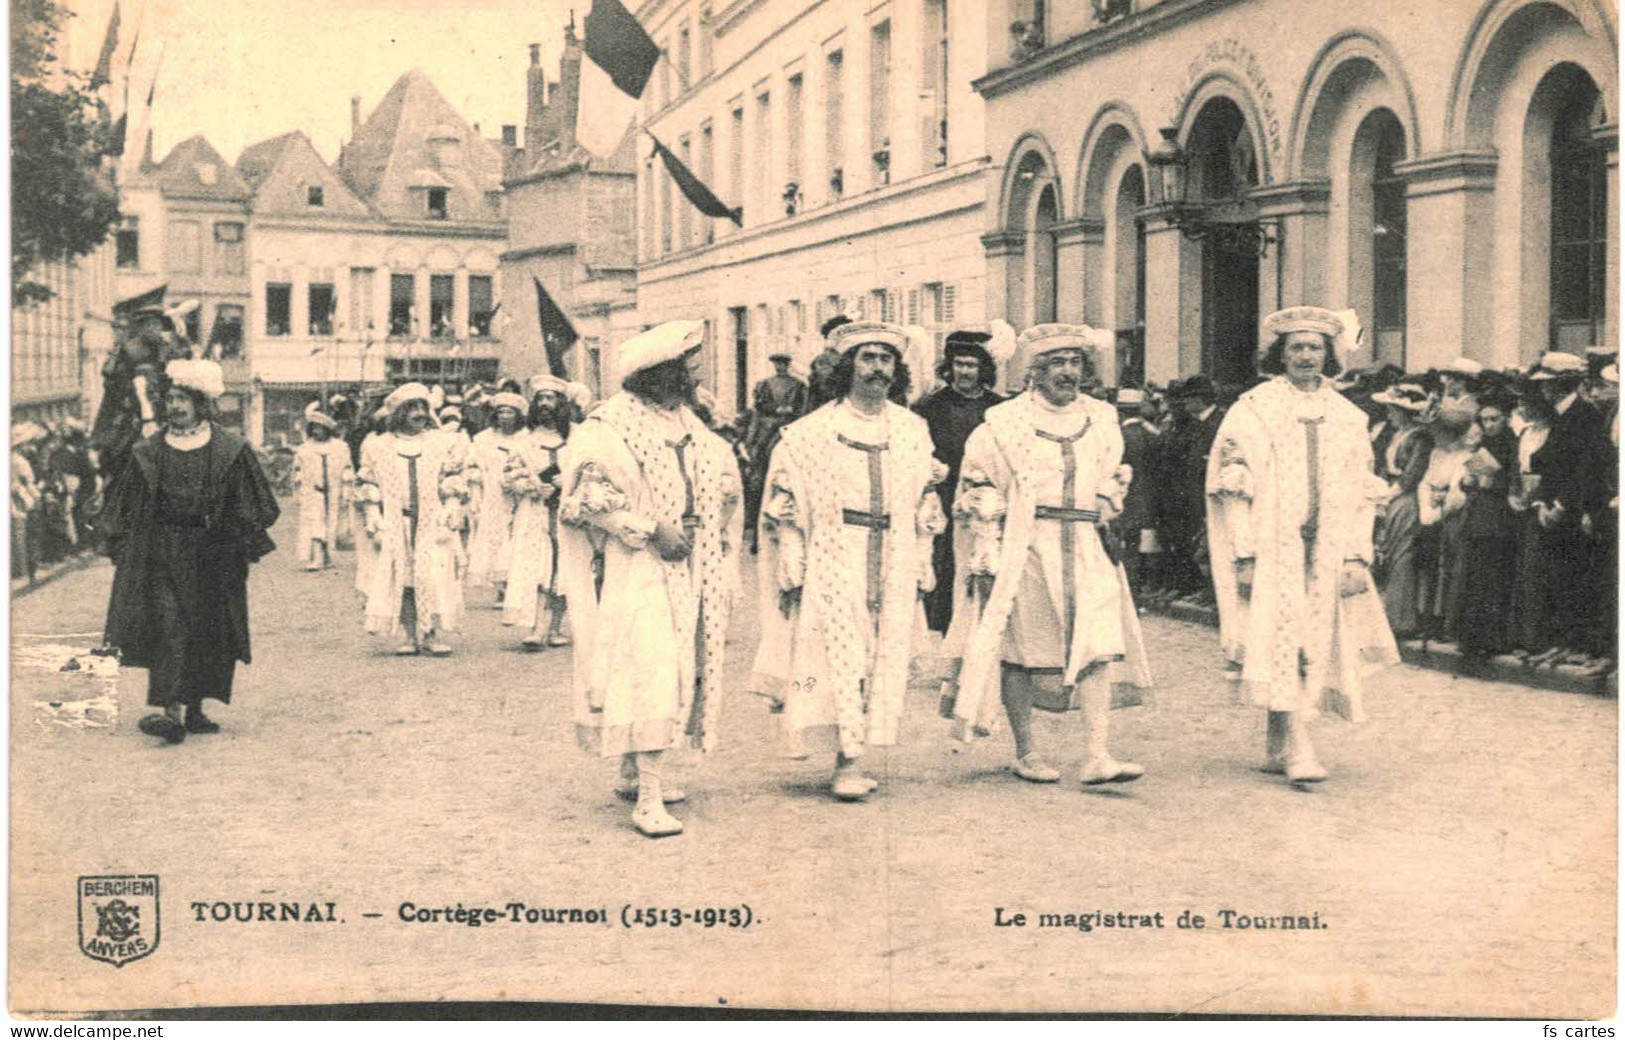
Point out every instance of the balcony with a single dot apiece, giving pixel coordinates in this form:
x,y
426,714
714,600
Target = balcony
x,y
334,359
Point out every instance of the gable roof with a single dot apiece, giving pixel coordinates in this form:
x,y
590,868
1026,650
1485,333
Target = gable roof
x,y
193,169
281,172
414,139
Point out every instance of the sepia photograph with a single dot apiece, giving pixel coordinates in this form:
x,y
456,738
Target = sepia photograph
x,y
814,507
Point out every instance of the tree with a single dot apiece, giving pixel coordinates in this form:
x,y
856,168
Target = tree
x,y
63,201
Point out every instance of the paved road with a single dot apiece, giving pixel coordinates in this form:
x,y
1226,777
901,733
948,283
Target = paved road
x,y
1461,860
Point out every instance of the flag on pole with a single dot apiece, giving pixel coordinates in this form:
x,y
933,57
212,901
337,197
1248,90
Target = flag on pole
x,y
694,189
620,58
104,64
558,335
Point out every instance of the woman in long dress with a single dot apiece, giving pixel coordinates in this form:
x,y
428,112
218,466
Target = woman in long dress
x,y
1402,466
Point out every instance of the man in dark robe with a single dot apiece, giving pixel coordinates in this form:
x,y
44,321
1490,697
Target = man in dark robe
x,y
186,519
778,400
1139,443
951,414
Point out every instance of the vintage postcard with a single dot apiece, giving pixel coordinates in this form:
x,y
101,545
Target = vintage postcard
x,y
924,506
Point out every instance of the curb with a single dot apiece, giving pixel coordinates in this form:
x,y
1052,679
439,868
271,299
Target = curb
x,y
22,586
1447,661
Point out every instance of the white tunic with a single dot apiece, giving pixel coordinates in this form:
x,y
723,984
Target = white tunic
x,y
321,475
533,562
493,509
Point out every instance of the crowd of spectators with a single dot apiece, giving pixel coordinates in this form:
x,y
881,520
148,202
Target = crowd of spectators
x,y
1497,503
55,494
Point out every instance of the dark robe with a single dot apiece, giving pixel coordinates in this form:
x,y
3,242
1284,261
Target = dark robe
x,y
1182,510
950,416
778,401
182,528
1489,535
1139,446
1576,467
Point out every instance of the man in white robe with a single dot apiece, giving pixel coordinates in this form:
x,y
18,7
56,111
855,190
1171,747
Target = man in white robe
x,y
322,477
650,551
413,484
848,522
535,600
1044,605
1290,513
490,542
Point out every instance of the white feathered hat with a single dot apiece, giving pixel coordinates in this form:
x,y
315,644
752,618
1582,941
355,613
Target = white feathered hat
x,y
201,375
314,414
404,393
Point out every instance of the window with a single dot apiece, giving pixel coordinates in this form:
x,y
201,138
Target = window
x,y
228,248
665,76
651,228
1579,287
705,40
442,306
226,338
183,246
707,172
481,306
278,308
402,296
683,70
1388,246
736,160
685,223
762,154
128,243
792,145
934,85
437,203
931,303
875,310
665,210
833,139
831,307
194,323
323,306
796,318
313,196
361,300
880,101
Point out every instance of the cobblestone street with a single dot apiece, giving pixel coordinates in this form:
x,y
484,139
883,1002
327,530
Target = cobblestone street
x,y
1461,860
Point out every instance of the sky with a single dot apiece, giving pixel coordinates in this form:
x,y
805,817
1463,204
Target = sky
x,y
240,71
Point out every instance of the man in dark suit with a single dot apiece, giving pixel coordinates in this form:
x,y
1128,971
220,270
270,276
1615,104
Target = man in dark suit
x,y
1183,467
951,414
1576,470
1139,442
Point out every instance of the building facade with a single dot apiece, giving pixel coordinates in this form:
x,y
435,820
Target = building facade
x,y
571,227
849,134
1172,169
379,269
58,346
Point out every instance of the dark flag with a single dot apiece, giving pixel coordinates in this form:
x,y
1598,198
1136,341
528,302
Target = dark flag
x,y
620,58
558,335
104,64
694,189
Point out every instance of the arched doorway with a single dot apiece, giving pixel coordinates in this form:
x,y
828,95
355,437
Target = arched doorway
x,y
1041,250
1128,251
1223,170
1579,208
1376,237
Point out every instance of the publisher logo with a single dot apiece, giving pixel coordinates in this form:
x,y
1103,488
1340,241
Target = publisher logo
x,y
118,917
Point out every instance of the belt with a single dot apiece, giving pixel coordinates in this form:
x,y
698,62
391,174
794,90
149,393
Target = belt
x,y
1071,516
858,518
691,521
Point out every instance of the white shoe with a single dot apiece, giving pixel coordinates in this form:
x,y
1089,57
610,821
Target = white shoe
x,y
1109,771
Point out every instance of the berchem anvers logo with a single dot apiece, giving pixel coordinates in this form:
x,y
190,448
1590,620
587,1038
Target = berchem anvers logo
x,y
118,917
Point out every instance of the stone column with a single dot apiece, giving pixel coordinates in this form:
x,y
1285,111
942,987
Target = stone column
x,y
1294,272
1608,137
1173,300
1006,253
1449,255
1079,267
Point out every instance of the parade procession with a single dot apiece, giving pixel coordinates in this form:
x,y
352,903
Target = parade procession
x,y
909,461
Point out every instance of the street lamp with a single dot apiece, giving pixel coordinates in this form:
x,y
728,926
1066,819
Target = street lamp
x,y
1170,186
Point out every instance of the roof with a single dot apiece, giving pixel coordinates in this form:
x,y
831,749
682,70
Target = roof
x,y
414,130
195,170
258,160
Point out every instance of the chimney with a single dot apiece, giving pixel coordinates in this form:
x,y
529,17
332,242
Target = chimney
x,y
355,116
535,101
567,91
510,135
